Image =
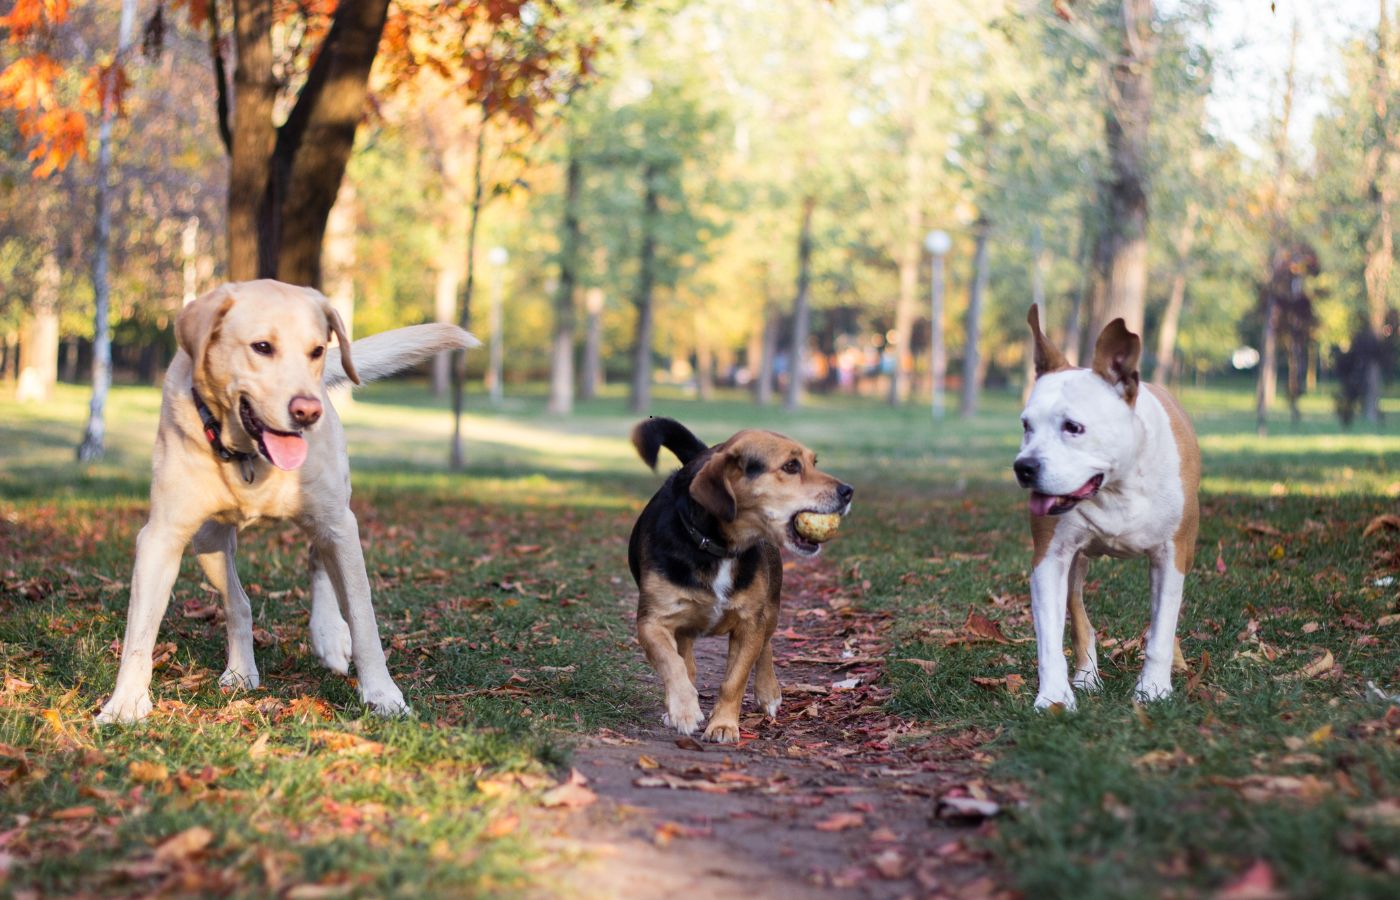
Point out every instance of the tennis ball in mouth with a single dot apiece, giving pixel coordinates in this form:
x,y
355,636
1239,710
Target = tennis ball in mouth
x,y
819,527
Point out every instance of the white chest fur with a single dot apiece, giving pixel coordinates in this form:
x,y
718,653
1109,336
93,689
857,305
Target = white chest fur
x,y
722,585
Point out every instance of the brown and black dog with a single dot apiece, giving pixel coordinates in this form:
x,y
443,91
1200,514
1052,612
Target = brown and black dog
x,y
705,557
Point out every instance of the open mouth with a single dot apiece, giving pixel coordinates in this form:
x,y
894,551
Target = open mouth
x,y
797,542
284,449
1053,505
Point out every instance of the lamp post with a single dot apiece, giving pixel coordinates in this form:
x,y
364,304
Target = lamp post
x,y
937,243
498,257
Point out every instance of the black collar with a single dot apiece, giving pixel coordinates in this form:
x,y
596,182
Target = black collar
x,y
212,427
707,544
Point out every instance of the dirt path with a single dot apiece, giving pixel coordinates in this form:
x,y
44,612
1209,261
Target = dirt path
x,y
834,798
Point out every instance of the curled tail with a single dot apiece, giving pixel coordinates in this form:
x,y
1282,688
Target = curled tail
x,y
383,354
653,434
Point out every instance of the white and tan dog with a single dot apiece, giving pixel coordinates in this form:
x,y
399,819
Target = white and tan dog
x,y
247,432
1114,470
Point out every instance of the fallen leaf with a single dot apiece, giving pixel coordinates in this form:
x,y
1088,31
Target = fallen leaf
x,y
927,665
346,743
501,826
646,762
1389,619
1261,528
258,749
686,742
1012,682
1384,812
1255,883
571,794
1313,669
845,684
841,821
979,627
1381,522
147,772
184,845
965,809
74,812
891,863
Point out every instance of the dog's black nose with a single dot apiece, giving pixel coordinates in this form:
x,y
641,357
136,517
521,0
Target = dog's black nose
x,y
845,492
1026,470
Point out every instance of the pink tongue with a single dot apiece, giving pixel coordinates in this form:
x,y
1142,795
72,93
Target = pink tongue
x,y
288,451
1084,491
1042,503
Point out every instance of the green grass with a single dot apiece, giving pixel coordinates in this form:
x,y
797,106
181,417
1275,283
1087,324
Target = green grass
x,y
502,593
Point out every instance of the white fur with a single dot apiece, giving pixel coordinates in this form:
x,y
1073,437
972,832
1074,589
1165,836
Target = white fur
x,y
1136,512
198,499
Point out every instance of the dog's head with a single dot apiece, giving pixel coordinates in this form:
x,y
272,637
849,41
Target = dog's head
x,y
1079,428
757,482
258,350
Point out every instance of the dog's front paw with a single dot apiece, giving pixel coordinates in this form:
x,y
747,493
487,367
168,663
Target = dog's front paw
x,y
1148,690
385,700
330,640
722,732
1049,698
1087,680
239,681
124,710
770,705
683,714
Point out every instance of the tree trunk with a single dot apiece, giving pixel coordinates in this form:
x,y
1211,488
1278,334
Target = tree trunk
x,y
38,342
339,266
456,456
93,445
643,300
972,367
938,344
1380,250
1037,298
801,313
561,366
1176,299
444,310
283,180
1126,126
1088,241
1268,364
704,359
592,375
763,380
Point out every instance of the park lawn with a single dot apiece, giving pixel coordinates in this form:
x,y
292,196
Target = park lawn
x,y
502,594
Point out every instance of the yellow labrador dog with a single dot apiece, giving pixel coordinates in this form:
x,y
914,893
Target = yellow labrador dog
x,y
247,432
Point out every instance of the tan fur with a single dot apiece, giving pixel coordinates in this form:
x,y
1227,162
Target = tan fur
x,y
1116,357
753,512
1190,452
1048,357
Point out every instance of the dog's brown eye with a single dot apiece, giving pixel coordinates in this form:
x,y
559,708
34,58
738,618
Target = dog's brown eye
x,y
1072,427
262,348
792,467
318,352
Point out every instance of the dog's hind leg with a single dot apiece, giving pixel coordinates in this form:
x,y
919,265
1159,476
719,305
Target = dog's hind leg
x,y
330,636
214,546
685,646
1086,661
765,680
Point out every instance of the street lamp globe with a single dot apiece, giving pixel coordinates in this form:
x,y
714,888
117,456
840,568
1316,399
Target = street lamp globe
x,y
938,242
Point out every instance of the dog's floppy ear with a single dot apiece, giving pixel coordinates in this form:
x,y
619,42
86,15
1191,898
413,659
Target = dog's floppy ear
x,y
1048,357
1116,358
198,325
711,489
336,325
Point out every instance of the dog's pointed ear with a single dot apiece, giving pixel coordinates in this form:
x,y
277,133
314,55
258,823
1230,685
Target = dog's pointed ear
x,y
711,488
198,326
1048,357
336,325
1116,358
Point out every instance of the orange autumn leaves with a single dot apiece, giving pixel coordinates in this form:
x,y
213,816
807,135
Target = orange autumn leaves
x,y
49,113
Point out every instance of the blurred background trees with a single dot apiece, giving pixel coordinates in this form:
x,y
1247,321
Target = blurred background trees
x,y
725,195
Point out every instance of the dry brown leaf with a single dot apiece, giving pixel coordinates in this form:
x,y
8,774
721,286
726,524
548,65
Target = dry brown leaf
x,y
1012,682
979,627
927,665
147,772
1320,666
346,743
571,794
501,826
646,762
1255,883
891,863
841,821
1389,619
1381,522
74,812
184,845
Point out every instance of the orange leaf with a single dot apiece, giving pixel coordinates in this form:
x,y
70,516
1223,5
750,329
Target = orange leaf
x,y
572,794
841,822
